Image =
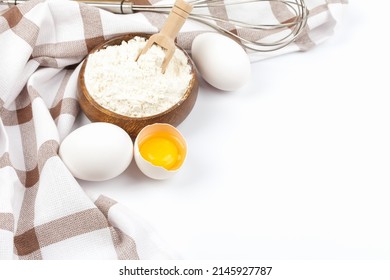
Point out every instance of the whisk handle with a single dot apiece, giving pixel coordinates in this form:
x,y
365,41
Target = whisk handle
x,y
176,18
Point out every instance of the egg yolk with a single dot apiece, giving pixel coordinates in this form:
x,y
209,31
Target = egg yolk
x,y
161,151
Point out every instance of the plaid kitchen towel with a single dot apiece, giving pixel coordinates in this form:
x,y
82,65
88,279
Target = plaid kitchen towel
x,y
44,213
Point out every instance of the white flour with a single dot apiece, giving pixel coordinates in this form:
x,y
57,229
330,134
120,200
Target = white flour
x,y
136,89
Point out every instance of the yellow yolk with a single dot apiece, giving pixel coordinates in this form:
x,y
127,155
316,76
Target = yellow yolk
x,y
161,151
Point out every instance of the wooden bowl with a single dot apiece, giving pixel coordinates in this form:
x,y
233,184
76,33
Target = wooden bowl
x,y
174,115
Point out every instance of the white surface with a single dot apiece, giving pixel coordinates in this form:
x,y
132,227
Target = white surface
x,y
295,165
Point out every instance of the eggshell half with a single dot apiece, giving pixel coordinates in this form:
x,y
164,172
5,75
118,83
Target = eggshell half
x,y
97,151
150,170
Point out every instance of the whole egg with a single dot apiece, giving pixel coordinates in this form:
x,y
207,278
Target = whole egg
x,y
221,61
97,151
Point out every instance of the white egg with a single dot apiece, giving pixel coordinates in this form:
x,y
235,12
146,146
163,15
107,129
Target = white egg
x,y
97,151
160,151
221,61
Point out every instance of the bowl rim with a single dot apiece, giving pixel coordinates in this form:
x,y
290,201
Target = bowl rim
x,y
111,42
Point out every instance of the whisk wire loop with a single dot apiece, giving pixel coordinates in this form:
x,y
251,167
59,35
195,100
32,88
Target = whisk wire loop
x,y
265,36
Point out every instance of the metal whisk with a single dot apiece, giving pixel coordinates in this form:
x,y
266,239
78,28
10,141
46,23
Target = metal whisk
x,y
266,36
286,19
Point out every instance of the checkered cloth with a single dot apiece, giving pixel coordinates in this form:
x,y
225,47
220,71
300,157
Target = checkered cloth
x,y
44,213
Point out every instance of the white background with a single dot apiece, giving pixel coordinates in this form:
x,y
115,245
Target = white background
x,y
295,165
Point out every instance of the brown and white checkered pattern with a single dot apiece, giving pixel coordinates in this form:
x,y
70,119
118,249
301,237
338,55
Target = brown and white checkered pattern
x,y
44,213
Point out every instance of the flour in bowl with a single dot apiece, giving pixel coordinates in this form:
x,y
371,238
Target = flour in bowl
x,y
136,88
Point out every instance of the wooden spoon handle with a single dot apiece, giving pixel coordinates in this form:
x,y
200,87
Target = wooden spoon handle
x,y
176,18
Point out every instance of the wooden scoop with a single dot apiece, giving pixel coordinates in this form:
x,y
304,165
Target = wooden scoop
x,y
166,37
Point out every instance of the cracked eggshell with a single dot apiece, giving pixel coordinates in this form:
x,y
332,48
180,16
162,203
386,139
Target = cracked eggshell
x,y
97,151
221,61
146,167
